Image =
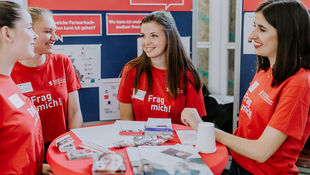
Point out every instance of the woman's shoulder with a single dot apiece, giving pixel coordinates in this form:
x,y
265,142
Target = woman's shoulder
x,y
189,74
132,65
58,57
300,78
129,70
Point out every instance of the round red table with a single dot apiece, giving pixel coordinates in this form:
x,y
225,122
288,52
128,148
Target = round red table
x,y
61,165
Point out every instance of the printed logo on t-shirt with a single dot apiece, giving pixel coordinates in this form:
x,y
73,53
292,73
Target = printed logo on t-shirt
x,y
139,95
158,104
25,87
57,81
246,105
179,91
16,101
265,97
253,86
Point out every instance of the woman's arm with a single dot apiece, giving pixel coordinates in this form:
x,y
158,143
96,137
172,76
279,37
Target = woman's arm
x,y
75,119
260,150
126,112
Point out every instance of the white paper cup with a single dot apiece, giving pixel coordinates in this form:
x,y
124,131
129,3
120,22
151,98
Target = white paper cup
x,y
206,138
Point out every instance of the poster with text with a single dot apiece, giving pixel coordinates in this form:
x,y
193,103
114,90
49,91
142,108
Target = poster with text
x,y
86,60
109,105
124,23
77,25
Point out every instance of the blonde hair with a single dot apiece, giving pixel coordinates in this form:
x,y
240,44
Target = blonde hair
x,y
37,13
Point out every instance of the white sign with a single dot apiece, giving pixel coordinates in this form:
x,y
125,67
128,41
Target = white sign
x,y
109,105
86,60
248,47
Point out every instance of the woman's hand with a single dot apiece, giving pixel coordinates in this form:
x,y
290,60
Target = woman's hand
x,y
46,170
190,117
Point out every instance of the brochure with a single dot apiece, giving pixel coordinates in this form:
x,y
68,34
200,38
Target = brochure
x,y
168,160
108,163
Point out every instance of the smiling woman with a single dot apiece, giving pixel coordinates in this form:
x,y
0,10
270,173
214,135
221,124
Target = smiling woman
x,y
274,118
162,80
21,142
49,80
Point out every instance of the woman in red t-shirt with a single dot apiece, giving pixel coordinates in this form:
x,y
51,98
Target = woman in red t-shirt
x,y
274,118
162,81
49,80
21,142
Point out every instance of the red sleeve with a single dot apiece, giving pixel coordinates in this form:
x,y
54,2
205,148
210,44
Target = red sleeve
x,y
73,82
194,99
292,111
126,85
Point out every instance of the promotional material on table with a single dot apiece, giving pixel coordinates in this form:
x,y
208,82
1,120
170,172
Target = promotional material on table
x,y
175,159
108,163
158,126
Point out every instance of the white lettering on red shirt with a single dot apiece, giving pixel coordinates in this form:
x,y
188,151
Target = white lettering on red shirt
x,y
46,101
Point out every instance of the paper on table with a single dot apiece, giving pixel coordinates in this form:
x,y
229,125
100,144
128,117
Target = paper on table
x,y
187,137
170,157
104,135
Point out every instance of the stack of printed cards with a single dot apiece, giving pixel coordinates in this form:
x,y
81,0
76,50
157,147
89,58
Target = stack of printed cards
x,y
80,154
130,127
65,143
158,126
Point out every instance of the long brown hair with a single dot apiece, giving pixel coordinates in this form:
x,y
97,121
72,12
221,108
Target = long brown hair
x,y
177,60
291,20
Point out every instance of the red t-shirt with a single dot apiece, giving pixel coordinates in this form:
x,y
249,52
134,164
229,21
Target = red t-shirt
x,y
285,108
48,86
21,142
158,104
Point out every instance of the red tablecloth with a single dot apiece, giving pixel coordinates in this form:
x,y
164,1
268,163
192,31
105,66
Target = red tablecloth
x,y
62,166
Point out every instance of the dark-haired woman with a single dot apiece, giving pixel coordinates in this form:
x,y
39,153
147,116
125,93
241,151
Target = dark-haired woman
x,y
162,81
274,115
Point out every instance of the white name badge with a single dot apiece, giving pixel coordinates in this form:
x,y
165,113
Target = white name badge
x,y
139,95
253,86
16,101
25,87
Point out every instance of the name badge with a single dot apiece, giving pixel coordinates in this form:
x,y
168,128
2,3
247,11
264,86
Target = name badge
x,y
16,101
139,95
25,87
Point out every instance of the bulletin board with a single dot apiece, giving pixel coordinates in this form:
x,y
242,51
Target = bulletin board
x,y
100,36
248,58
